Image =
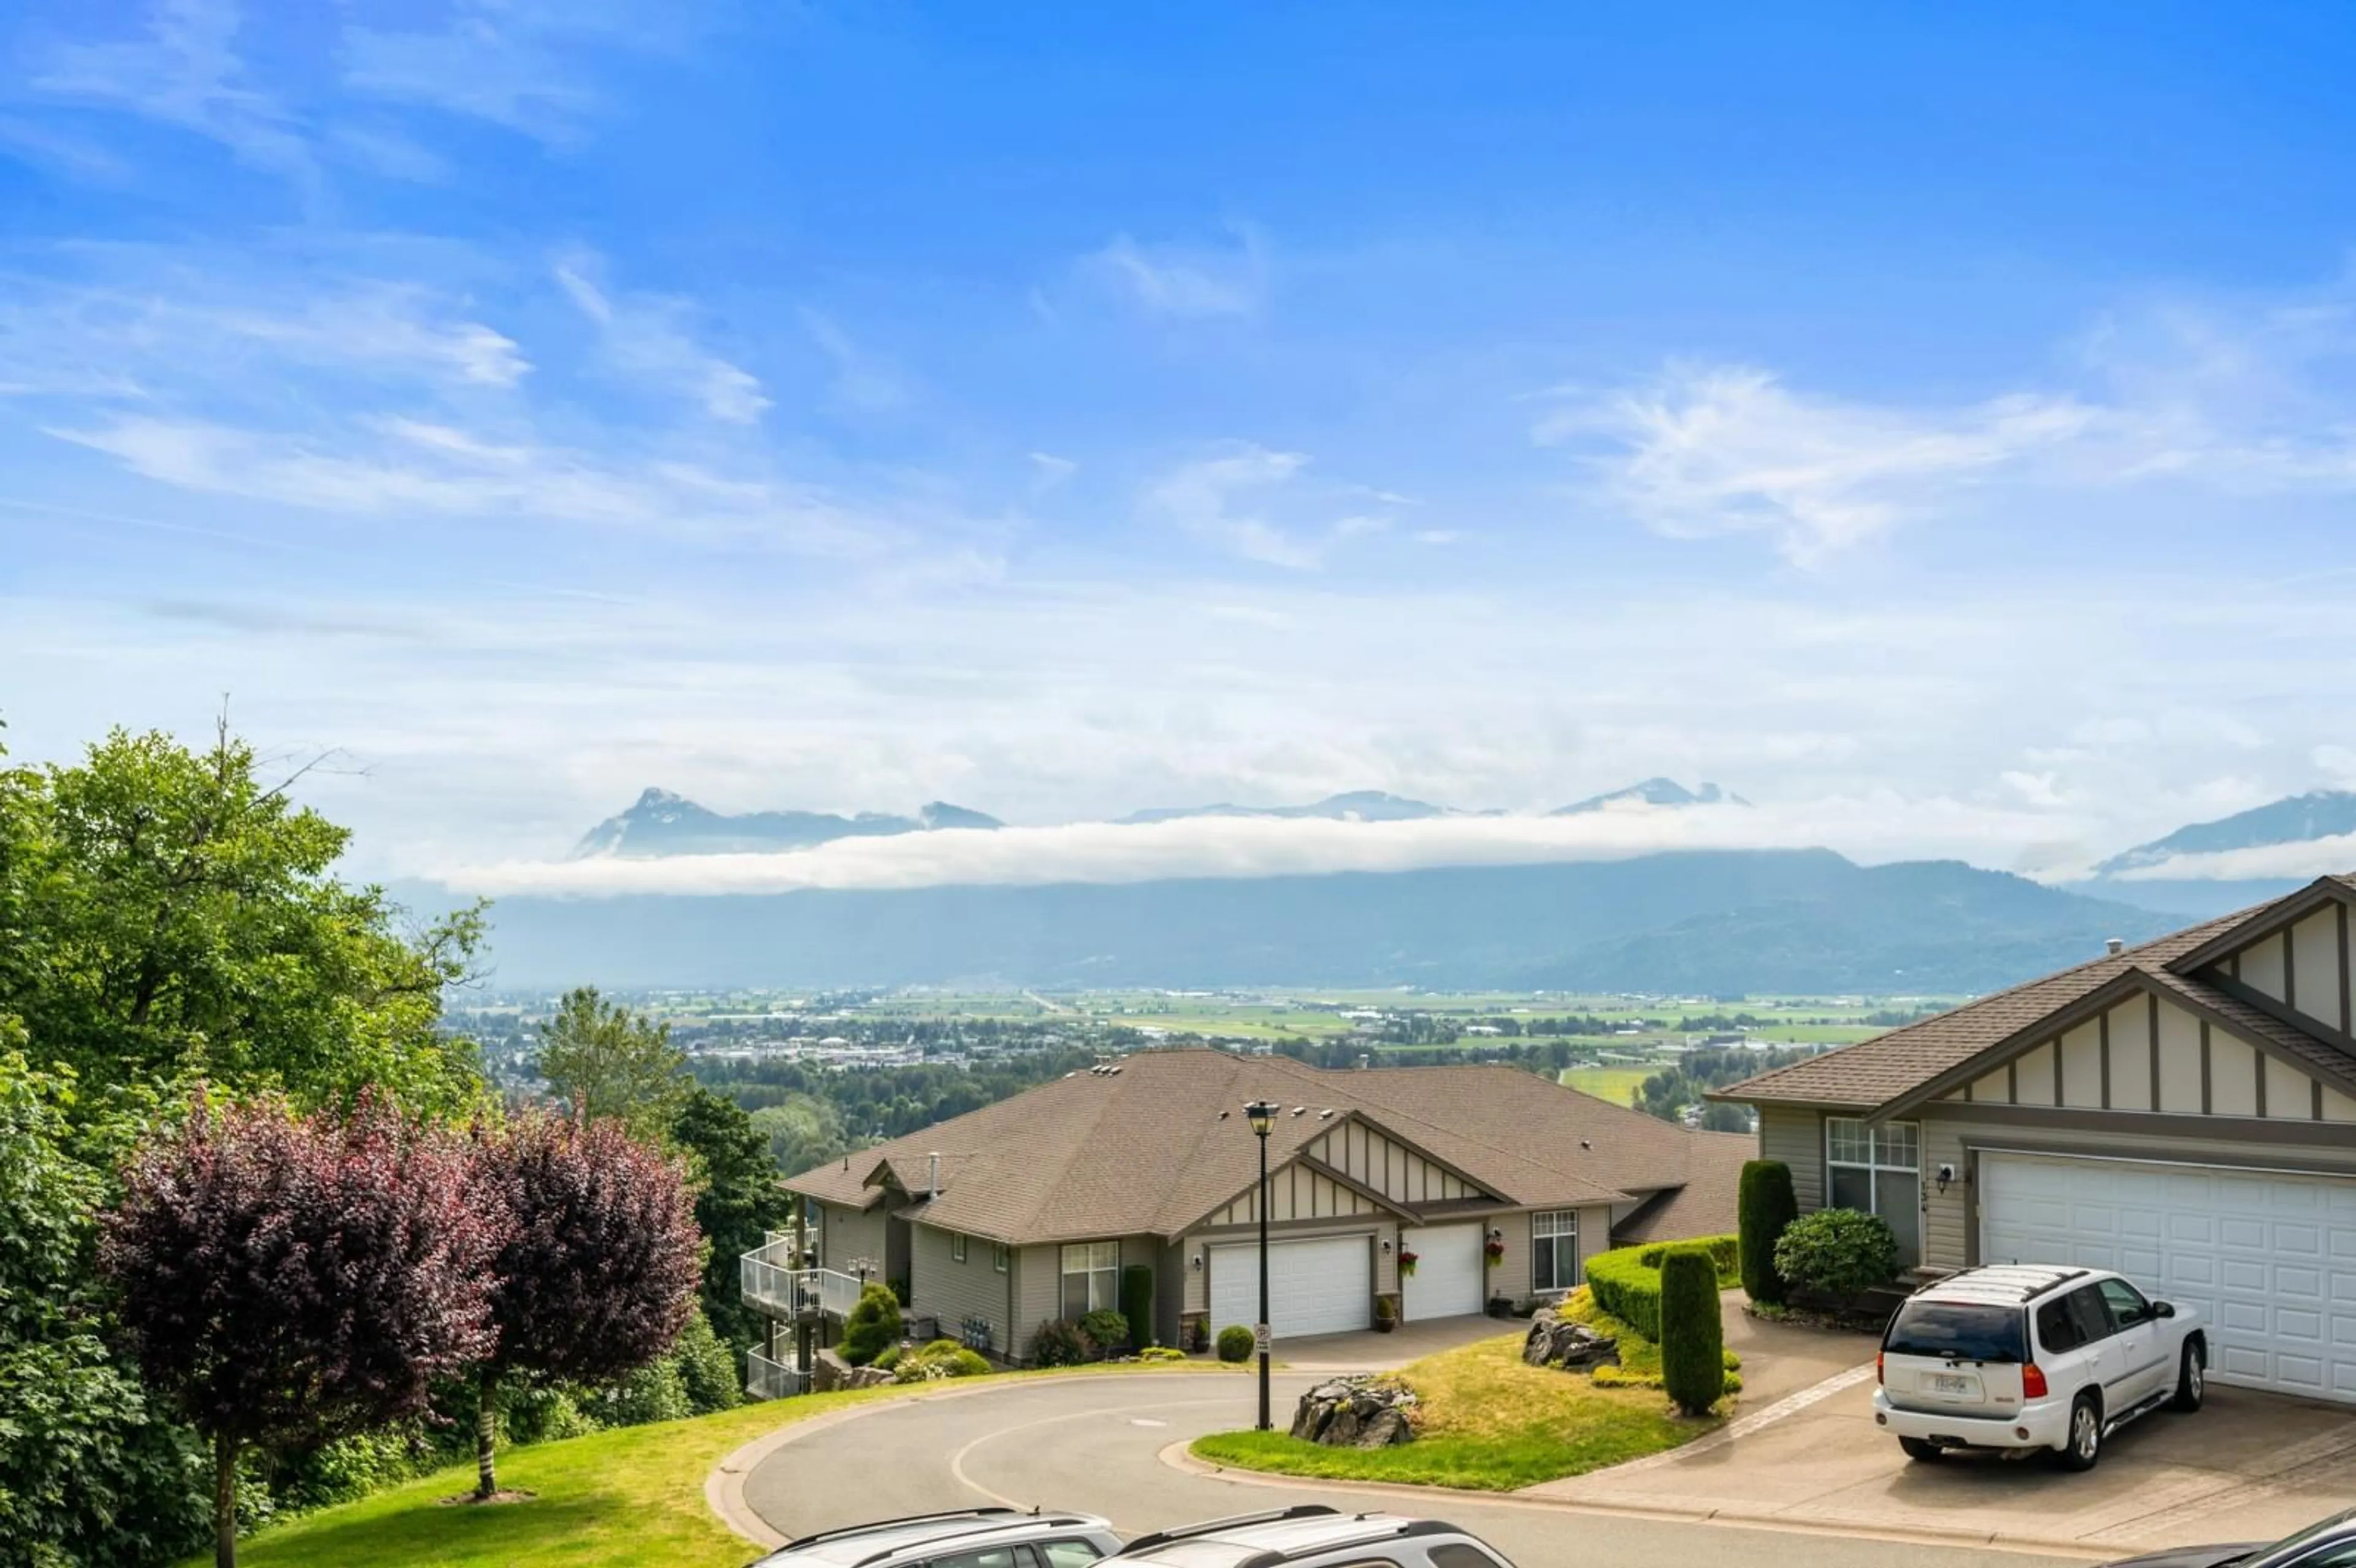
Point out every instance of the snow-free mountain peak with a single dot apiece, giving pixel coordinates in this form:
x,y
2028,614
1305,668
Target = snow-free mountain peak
x,y
661,823
2295,819
1652,792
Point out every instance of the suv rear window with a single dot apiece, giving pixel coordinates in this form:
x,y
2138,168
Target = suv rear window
x,y
1957,1330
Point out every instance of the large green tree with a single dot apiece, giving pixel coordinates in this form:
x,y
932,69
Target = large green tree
x,y
89,1472
607,1061
167,914
738,1200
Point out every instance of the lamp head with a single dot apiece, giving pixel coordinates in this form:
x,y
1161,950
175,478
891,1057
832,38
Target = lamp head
x,y
1261,1115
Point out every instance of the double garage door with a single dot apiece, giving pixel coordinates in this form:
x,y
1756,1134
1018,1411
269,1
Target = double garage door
x,y
2267,1258
1323,1285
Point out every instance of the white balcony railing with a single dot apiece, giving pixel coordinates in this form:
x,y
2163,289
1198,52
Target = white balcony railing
x,y
770,1282
766,1378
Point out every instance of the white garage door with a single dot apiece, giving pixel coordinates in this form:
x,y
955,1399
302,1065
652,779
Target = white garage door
x,y
1447,1268
1320,1286
2269,1259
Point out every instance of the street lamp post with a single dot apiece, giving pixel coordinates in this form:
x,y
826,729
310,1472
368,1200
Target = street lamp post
x,y
1261,1114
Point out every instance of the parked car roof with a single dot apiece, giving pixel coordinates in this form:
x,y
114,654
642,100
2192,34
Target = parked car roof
x,y
883,1540
1277,1536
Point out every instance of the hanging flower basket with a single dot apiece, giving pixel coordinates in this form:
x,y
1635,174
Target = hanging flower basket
x,y
1406,1263
1495,1251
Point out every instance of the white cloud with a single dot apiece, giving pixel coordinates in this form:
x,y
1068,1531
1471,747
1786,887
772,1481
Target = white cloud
x,y
2308,858
1048,472
647,340
1728,448
1184,281
184,69
861,381
393,466
1205,499
526,65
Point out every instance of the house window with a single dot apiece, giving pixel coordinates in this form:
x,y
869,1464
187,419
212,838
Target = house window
x,y
998,1254
957,1246
1554,1250
1879,1171
1091,1278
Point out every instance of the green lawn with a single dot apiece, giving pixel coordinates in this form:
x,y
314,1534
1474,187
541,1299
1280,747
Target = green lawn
x,y
1617,1085
631,1497
1488,1422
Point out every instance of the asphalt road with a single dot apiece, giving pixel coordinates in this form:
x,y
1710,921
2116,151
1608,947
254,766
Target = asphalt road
x,y
1094,1445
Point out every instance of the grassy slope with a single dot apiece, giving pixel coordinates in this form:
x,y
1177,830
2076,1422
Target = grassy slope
x,y
1489,1424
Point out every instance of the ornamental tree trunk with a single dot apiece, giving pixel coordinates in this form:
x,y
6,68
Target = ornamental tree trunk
x,y
224,1501
486,1414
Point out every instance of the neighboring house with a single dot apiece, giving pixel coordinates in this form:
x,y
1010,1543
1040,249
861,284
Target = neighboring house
x,y
2183,1112
1030,1210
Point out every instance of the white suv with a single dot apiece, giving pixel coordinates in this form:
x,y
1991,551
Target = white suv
x,y
2024,1356
959,1538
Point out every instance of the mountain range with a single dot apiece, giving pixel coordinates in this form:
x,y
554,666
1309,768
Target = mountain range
x,y
1717,923
659,823
2140,876
1702,922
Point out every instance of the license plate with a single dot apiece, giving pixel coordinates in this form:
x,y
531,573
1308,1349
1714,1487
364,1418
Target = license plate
x,y
1947,1382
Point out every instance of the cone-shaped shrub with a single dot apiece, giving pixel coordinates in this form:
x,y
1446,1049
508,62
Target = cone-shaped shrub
x,y
874,1326
1765,1205
1693,1349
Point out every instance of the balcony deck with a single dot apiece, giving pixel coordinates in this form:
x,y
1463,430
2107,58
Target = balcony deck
x,y
771,1283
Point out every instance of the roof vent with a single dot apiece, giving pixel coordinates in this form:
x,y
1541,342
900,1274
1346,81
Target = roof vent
x,y
1584,1144
1300,1110
2115,946
1326,1115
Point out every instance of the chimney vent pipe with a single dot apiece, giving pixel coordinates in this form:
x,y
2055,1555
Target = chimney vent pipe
x,y
2115,946
933,1181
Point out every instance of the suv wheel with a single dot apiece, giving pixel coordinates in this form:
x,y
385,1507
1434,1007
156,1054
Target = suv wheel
x,y
1922,1453
2190,1383
2085,1441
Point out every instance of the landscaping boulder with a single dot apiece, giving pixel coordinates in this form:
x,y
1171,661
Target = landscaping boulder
x,y
1354,1413
831,1372
1555,1340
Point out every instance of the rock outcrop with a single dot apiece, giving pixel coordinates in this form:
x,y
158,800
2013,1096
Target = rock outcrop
x,y
831,1372
1354,1413
1555,1340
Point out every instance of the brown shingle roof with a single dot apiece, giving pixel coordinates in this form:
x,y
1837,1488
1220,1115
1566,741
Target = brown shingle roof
x,y
1875,1072
1704,1205
1146,1151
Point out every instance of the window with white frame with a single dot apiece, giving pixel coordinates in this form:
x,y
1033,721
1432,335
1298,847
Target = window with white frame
x,y
1091,1278
1554,1250
997,1255
957,1246
1878,1170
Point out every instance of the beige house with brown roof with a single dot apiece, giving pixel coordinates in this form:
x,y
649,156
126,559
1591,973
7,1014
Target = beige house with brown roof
x,y
1028,1209
2183,1112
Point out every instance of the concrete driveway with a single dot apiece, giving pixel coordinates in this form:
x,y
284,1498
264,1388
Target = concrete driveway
x,y
2248,1466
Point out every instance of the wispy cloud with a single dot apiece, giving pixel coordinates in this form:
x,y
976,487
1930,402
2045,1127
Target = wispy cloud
x,y
1048,472
1184,281
1250,501
861,381
1730,448
649,341
184,69
527,65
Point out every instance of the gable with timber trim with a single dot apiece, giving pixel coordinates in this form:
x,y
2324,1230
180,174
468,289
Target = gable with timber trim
x,y
1355,1169
2147,1053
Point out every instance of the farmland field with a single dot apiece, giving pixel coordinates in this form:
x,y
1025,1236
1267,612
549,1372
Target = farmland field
x,y
1613,1083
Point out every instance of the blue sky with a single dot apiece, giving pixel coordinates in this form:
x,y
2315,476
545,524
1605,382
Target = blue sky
x,y
1940,430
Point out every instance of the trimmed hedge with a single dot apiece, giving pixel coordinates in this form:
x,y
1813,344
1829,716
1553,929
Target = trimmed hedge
x,y
1693,1345
1235,1343
1764,1208
1627,1282
1137,1304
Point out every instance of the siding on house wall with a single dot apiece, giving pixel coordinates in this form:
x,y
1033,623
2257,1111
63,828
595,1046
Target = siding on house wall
x,y
1949,1218
1796,1138
848,1234
1511,1278
949,1292
1039,1280
2146,1054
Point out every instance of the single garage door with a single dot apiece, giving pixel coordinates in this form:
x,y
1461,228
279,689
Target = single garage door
x,y
1447,1280
1323,1285
2262,1254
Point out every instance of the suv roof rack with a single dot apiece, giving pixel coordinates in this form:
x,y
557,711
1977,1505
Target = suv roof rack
x,y
997,1526
1986,1281
872,1526
1391,1529
1152,1539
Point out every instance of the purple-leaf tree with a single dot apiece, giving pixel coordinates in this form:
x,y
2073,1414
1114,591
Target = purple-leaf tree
x,y
599,1270
286,1280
